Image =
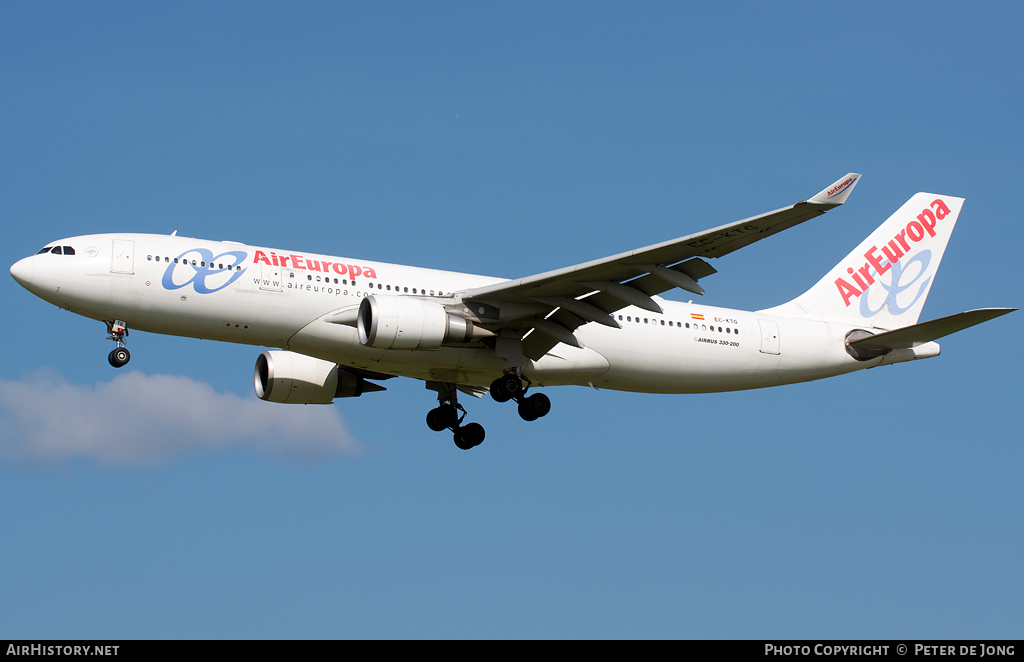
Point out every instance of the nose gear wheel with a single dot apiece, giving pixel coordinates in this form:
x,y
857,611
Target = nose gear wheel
x,y
118,331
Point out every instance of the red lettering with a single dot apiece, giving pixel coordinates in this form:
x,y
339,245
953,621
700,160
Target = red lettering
x,y
284,260
903,242
875,261
354,271
867,274
297,262
273,256
261,257
856,278
369,272
894,255
340,269
926,215
312,265
847,291
325,265
914,228
941,210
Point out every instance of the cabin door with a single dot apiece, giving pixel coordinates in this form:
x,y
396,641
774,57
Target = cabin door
x,y
769,337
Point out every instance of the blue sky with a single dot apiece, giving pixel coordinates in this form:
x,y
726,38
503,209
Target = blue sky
x,y
508,140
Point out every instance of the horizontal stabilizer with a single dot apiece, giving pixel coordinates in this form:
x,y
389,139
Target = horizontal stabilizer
x,y
919,334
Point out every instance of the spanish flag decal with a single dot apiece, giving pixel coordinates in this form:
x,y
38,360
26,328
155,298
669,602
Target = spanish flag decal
x,y
695,316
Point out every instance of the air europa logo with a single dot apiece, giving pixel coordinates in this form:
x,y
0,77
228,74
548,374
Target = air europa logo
x,y
898,246
836,189
203,266
302,262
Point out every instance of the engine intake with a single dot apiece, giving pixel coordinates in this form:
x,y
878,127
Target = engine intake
x,y
408,323
292,378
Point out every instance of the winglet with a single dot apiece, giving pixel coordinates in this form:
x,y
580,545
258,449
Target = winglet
x,y
837,193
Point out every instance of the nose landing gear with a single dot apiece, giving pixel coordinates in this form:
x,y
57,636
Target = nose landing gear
x,y
446,417
510,387
118,331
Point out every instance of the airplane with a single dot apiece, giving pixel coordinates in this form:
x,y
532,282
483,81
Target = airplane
x,y
341,325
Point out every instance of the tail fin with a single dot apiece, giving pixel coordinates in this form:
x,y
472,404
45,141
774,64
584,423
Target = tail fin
x,y
884,282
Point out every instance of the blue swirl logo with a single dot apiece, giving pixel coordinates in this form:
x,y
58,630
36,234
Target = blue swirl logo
x,y
202,268
894,287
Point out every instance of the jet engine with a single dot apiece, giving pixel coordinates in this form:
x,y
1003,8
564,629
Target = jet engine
x,y
293,378
408,323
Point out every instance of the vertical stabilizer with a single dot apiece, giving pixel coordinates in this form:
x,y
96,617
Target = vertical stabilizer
x,y
884,282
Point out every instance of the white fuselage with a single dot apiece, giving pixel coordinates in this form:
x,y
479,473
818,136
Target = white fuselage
x,y
267,297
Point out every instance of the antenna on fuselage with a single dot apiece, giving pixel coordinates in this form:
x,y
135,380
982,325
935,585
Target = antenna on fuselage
x,y
174,234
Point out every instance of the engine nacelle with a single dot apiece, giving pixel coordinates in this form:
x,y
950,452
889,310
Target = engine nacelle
x,y
408,323
293,378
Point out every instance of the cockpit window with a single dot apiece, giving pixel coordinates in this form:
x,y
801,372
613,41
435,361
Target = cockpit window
x,y
45,250
56,250
68,250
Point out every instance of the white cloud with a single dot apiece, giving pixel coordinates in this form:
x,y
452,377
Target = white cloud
x,y
138,419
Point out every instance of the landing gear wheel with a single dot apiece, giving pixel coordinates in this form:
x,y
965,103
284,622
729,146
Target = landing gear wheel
x,y
497,392
119,357
442,417
448,415
506,388
433,421
468,436
535,406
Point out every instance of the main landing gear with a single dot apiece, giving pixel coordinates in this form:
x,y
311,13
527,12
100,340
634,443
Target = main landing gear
x,y
118,331
510,387
449,414
446,417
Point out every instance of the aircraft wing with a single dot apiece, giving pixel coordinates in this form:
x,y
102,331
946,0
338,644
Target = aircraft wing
x,y
592,291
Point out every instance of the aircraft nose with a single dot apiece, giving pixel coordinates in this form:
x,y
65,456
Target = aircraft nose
x,y
22,271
